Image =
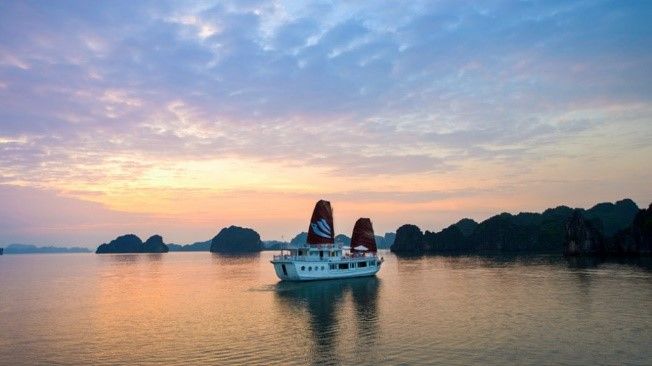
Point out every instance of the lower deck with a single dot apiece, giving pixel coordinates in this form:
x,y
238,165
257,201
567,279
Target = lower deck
x,y
304,270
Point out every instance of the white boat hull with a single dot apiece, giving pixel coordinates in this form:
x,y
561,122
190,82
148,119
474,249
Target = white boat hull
x,y
291,270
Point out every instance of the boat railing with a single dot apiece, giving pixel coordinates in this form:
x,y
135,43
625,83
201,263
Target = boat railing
x,y
308,258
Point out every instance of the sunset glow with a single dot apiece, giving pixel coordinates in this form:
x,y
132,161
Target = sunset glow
x,y
156,117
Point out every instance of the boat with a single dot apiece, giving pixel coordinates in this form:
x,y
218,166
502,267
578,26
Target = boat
x,y
321,258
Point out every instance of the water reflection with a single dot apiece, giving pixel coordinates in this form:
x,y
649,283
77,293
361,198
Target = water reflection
x,y
188,309
324,301
595,262
497,259
364,293
126,258
583,262
235,258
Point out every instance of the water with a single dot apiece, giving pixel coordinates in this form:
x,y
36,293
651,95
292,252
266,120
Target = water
x,y
198,308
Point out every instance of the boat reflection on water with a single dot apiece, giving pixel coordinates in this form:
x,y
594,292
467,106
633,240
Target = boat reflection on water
x,y
333,328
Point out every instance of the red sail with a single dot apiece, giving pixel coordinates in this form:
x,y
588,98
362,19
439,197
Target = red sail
x,y
321,230
363,239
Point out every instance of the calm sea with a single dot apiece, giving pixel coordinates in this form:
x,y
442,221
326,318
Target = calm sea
x,y
199,308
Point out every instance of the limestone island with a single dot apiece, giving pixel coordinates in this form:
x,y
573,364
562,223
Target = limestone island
x,y
585,237
606,229
131,243
235,239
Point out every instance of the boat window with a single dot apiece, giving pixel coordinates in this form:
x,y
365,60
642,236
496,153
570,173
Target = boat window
x,y
352,265
362,264
303,268
301,252
310,268
333,266
343,266
322,268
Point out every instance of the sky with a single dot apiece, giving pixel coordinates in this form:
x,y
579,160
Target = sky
x,y
181,118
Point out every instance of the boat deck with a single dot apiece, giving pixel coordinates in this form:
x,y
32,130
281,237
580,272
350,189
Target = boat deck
x,y
309,258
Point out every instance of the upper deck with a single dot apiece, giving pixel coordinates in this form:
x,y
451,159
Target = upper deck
x,y
322,253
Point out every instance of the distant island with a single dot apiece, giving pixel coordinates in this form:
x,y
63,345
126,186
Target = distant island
x,y
200,246
131,243
33,249
382,242
605,229
232,239
235,239
275,244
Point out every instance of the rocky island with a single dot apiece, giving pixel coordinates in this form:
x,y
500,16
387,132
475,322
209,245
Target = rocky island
x,y
235,239
409,239
131,243
527,232
584,236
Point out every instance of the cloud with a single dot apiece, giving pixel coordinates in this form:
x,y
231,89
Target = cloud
x,y
100,94
42,216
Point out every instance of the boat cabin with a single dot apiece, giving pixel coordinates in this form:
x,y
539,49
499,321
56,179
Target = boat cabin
x,y
316,252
